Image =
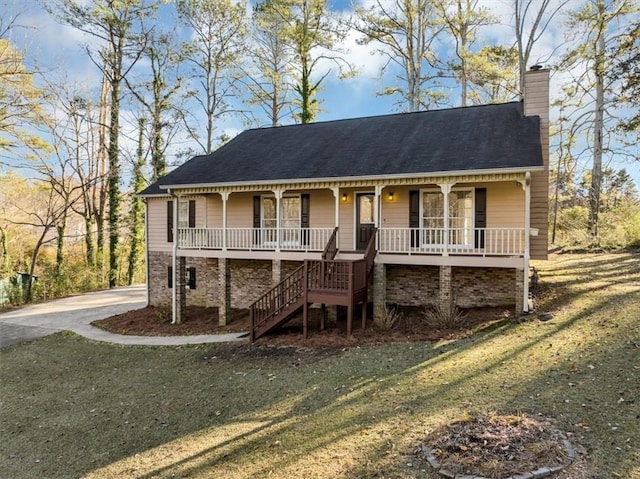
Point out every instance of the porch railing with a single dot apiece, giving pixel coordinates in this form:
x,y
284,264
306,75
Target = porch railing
x,y
285,239
463,241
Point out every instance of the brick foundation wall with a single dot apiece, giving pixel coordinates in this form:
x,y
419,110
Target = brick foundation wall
x,y
206,292
408,285
476,287
158,266
411,285
250,279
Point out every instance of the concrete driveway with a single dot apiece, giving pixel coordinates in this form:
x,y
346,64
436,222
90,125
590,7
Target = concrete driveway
x,y
73,313
77,312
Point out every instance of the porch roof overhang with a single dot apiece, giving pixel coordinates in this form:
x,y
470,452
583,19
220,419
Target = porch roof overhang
x,y
453,177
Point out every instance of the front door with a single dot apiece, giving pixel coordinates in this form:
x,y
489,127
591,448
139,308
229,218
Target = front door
x,y
365,223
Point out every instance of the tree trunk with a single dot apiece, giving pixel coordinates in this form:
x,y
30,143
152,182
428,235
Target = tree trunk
x,y
61,228
596,170
100,203
136,209
114,181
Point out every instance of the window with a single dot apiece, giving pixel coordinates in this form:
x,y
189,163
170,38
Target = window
x,y
365,209
294,220
186,216
269,219
190,278
290,220
460,217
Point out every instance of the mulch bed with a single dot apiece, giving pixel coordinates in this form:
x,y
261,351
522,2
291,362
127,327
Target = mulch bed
x,y
156,321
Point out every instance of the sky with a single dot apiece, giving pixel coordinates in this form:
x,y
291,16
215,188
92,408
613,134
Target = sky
x,y
59,50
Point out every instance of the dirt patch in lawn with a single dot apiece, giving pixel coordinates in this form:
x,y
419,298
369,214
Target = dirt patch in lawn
x,y
497,446
154,321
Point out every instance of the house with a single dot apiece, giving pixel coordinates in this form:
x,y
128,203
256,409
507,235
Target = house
x,y
351,211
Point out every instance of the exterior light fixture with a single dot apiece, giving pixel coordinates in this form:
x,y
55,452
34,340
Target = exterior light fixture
x,y
344,197
390,196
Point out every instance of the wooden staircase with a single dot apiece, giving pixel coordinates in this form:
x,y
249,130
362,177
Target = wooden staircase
x,y
327,281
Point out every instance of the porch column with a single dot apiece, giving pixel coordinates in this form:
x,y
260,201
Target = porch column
x,y
379,290
224,295
446,189
445,290
278,194
179,287
336,207
174,260
225,197
276,271
376,211
520,275
526,186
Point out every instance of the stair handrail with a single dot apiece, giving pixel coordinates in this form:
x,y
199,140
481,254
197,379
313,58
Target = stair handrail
x,y
370,251
277,298
331,248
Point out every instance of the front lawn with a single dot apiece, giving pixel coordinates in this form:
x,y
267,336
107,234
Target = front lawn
x,y
75,408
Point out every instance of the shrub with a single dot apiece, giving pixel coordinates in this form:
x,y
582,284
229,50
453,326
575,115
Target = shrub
x,y
443,316
386,317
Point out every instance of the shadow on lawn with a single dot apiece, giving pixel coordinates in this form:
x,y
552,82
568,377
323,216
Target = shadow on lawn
x,y
575,384
380,397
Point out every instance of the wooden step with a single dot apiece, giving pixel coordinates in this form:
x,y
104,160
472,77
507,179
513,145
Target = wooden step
x,y
278,320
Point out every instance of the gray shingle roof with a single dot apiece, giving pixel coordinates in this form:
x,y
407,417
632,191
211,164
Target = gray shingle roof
x,y
488,137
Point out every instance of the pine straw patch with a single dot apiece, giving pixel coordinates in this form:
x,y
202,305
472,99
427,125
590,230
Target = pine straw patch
x,y
498,446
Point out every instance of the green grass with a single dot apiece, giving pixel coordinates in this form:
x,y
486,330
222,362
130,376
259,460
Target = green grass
x,y
74,408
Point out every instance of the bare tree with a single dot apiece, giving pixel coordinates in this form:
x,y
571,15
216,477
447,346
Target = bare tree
x,y
406,31
218,46
117,26
531,20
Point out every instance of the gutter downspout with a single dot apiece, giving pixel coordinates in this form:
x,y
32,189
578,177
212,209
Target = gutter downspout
x,y
527,240
174,260
146,248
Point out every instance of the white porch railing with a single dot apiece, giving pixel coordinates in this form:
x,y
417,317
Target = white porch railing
x,y
461,241
255,239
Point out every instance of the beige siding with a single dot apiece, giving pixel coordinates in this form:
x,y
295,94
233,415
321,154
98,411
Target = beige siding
x,y
322,209
157,224
536,102
505,205
240,210
395,212
213,211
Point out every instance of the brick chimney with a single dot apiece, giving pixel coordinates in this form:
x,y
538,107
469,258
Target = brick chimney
x,y
536,103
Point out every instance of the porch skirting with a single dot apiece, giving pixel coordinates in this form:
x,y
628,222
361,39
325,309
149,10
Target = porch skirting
x,y
239,282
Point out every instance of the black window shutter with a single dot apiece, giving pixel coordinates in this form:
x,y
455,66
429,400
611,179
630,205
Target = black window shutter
x,y
170,221
170,277
414,216
305,203
192,278
256,219
192,213
480,215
